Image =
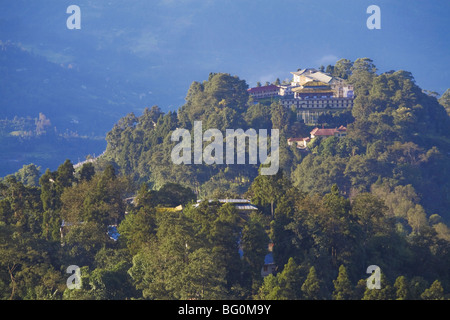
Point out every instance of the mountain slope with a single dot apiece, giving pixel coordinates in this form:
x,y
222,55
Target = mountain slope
x,y
71,98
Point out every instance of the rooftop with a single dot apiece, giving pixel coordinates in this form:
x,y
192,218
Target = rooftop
x,y
313,86
327,132
263,88
240,204
314,74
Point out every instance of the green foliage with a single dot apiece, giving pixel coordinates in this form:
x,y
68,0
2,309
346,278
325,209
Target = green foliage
x,y
87,171
343,289
386,292
342,69
376,196
403,290
267,189
254,241
435,292
286,285
178,266
173,194
29,175
312,288
444,100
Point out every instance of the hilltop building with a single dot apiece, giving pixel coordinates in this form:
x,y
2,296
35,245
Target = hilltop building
x,y
339,86
336,132
311,93
316,92
264,91
302,143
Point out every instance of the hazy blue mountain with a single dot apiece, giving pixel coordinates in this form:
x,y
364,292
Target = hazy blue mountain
x,y
72,100
147,52
83,80
129,55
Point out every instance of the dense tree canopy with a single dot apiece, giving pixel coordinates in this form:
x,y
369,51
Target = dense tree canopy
x,y
131,221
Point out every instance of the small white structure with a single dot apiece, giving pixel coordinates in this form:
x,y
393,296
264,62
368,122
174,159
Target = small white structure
x,y
239,204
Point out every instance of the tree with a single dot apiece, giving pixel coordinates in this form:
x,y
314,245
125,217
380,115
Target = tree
x,y
343,68
402,287
417,286
338,226
203,280
286,285
434,292
26,266
363,72
258,116
138,229
270,289
254,242
312,287
174,194
281,117
65,175
51,203
266,189
29,175
110,172
224,237
153,114
53,185
290,281
361,68
417,218
342,286
104,283
329,69
146,198
87,171
370,212
386,292
99,200
158,268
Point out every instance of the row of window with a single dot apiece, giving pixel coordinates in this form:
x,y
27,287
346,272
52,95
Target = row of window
x,y
320,104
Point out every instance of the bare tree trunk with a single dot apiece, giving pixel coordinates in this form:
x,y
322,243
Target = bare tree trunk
x,y
13,281
271,208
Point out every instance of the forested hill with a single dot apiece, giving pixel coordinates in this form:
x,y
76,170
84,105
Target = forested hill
x,y
378,196
398,139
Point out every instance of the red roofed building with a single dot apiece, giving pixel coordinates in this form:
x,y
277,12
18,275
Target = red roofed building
x,y
264,91
337,132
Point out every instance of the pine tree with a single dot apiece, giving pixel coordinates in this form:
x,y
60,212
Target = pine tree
x,y
385,293
270,289
290,281
311,288
435,292
342,286
87,171
65,175
254,241
403,290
